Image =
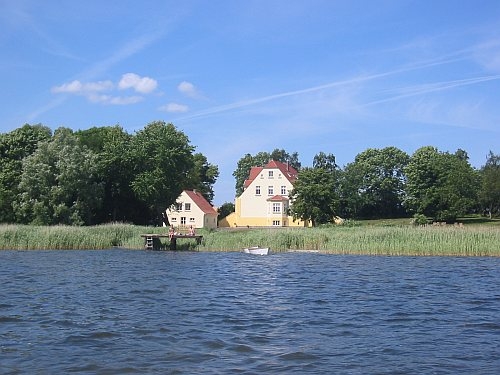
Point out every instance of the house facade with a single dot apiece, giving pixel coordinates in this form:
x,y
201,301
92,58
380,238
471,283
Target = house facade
x,y
192,209
264,201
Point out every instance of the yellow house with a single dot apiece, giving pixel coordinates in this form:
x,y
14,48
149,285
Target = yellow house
x,y
264,201
192,209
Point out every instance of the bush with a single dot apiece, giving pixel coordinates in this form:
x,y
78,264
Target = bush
x,y
419,219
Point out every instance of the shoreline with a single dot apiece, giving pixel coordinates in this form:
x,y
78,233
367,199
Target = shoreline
x,y
469,240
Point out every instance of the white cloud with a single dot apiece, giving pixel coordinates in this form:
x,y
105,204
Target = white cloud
x,y
188,89
77,87
174,108
94,91
114,100
144,85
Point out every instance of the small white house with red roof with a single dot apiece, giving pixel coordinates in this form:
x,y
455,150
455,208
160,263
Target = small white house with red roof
x,y
264,201
192,209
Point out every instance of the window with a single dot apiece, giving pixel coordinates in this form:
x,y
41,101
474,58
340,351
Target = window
x,y
276,208
270,190
183,220
271,174
276,223
283,190
187,206
191,220
174,219
257,190
178,206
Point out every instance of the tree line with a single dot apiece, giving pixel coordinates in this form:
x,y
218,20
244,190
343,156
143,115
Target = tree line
x,y
387,183
102,174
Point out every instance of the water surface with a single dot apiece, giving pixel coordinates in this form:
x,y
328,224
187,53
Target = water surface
x,y
138,312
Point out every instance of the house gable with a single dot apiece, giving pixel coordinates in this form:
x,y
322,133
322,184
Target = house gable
x,y
191,208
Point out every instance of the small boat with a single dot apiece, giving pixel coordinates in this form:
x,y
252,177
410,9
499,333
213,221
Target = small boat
x,y
256,250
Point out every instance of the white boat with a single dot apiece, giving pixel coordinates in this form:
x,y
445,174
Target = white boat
x,y
256,250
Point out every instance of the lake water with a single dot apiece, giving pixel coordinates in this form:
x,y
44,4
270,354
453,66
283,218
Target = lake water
x,y
147,312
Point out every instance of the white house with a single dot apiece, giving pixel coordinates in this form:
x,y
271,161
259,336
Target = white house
x,y
192,209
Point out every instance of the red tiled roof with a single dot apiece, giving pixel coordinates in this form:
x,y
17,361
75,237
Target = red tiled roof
x,y
277,198
287,170
201,202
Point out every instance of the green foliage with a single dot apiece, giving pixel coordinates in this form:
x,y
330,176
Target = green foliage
x,y
315,193
374,184
440,185
224,210
14,147
59,184
489,193
115,168
419,219
162,158
202,176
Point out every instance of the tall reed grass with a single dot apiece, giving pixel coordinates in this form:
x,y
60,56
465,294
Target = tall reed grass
x,y
370,240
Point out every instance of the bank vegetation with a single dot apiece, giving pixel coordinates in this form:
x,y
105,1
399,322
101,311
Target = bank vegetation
x,y
397,238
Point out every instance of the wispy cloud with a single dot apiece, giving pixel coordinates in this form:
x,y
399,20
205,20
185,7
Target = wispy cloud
x,y
82,88
355,80
432,87
189,90
174,108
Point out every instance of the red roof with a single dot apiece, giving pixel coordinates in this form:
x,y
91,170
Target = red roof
x,y
286,169
201,202
278,198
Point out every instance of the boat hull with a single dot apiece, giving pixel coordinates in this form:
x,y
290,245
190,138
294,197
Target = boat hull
x,y
256,250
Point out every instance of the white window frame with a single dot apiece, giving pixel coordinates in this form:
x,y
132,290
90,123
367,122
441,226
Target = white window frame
x,y
270,190
257,190
276,208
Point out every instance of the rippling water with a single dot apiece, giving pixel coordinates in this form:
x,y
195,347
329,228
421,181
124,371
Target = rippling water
x,y
138,312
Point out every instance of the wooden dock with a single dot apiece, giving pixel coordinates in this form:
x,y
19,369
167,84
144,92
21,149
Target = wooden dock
x,y
152,240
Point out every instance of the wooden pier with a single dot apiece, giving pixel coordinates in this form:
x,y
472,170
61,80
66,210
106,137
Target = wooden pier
x,y
152,240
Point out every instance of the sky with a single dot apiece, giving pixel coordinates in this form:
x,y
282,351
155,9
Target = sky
x,y
240,77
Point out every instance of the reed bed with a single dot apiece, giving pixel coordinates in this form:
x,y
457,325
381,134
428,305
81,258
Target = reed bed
x,y
404,240
369,240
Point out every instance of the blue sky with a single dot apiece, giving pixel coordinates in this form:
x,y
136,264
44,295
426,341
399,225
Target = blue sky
x,y
246,76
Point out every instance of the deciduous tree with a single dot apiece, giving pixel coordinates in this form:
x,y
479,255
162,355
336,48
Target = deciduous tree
x,y
440,185
163,160
489,194
14,147
374,183
59,184
314,196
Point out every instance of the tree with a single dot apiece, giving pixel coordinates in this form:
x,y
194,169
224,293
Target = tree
x,y
374,183
162,159
111,144
440,185
224,210
314,196
489,194
14,147
203,176
248,161
59,183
